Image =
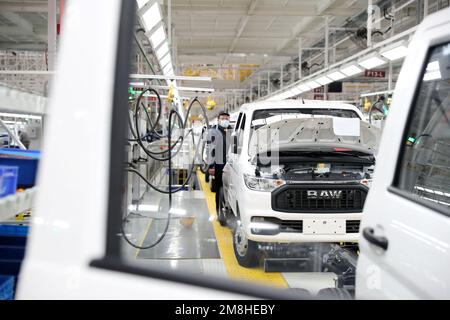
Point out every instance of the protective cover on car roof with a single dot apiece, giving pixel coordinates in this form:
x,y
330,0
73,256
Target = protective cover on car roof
x,y
317,134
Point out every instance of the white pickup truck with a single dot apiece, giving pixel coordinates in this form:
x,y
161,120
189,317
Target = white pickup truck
x,y
313,187
405,230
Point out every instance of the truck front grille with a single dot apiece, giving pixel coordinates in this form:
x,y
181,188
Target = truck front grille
x,y
319,198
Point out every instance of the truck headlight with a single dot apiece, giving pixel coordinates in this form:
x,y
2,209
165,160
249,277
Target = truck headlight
x,y
262,184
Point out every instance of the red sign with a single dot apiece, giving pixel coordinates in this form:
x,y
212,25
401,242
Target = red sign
x,y
375,74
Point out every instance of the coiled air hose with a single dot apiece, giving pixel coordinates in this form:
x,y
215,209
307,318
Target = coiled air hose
x,y
165,155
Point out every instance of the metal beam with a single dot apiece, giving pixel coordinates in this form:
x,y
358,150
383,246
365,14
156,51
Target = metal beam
x,y
22,46
28,72
307,10
231,35
23,27
12,135
327,40
14,31
19,21
51,37
160,77
242,25
300,60
23,6
302,25
369,22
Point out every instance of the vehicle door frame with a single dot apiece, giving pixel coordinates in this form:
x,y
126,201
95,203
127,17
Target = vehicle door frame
x,y
378,273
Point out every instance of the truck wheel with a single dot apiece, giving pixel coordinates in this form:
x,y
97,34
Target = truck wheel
x,y
334,294
222,211
245,250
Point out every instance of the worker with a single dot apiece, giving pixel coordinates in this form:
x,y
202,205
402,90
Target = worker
x,y
380,105
217,146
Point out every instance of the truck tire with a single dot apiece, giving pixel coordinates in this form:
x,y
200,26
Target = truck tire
x,y
245,250
222,211
334,294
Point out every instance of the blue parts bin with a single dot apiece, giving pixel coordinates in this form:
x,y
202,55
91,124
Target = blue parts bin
x,y
13,230
13,239
25,160
6,287
8,180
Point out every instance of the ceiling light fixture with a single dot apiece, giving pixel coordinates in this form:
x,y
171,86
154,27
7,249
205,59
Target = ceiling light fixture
x,y
313,84
336,75
158,37
303,87
351,70
372,61
324,80
167,68
151,17
141,3
169,72
165,60
295,91
396,51
163,50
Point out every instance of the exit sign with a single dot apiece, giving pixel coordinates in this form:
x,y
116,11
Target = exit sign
x,y
375,74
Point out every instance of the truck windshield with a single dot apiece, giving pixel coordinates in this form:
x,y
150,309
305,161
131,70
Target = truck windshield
x,y
267,116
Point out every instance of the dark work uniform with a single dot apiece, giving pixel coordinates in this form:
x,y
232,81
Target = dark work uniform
x,y
218,146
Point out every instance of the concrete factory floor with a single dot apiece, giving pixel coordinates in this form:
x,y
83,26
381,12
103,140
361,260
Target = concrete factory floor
x,y
196,243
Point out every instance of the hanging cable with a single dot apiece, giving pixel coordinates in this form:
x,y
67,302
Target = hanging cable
x,y
138,138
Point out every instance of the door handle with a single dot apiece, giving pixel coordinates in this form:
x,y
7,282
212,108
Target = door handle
x,y
379,241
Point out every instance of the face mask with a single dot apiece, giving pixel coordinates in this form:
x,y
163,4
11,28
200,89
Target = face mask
x,y
224,123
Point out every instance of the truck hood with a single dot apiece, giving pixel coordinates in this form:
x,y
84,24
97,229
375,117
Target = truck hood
x,y
316,134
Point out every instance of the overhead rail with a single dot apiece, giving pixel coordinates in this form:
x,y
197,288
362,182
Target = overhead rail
x,y
164,77
28,72
371,94
379,54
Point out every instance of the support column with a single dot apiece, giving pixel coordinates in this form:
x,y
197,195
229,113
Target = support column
x,y
300,51
419,11
369,23
51,33
390,76
327,40
393,21
281,77
268,82
169,21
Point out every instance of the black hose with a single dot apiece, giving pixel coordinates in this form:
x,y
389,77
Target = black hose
x,y
137,137
169,192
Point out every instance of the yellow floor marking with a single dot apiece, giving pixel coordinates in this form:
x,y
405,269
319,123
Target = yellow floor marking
x,y
225,243
144,237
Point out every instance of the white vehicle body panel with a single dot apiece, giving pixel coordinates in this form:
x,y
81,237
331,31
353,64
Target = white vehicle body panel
x,y
415,265
69,223
249,203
